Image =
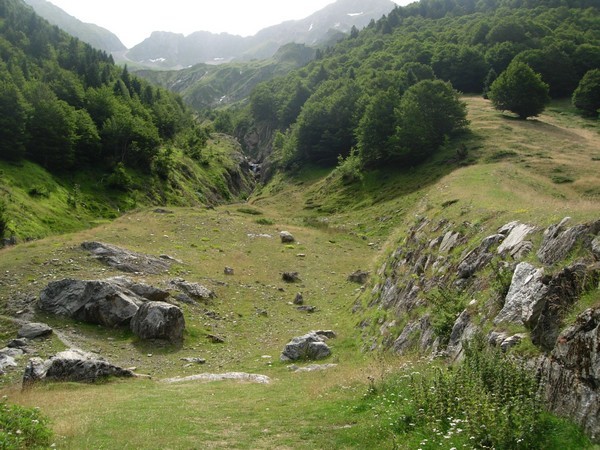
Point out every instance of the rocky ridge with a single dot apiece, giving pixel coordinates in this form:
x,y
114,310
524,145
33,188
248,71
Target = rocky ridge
x,y
520,277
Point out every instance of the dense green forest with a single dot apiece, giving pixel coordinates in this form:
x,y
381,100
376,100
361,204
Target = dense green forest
x,y
389,93
66,105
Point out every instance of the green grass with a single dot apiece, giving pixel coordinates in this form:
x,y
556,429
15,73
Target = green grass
x,y
339,227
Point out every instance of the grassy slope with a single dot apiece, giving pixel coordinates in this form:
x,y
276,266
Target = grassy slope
x,y
41,204
510,178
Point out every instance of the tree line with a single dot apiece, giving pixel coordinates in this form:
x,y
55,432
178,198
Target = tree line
x,y
67,106
389,94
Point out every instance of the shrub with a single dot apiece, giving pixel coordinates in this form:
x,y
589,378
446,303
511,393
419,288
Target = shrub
x,y
119,178
22,428
489,399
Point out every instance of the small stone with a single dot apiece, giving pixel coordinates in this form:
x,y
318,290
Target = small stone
x,y
306,308
290,277
299,300
228,271
286,237
215,339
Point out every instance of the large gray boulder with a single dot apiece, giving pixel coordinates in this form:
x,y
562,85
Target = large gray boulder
x,y
111,302
159,320
126,260
311,346
525,298
72,365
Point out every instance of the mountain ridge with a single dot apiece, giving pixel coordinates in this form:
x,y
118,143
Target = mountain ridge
x,y
98,37
174,50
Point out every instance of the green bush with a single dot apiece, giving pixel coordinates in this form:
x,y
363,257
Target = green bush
x,y
490,399
23,428
587,95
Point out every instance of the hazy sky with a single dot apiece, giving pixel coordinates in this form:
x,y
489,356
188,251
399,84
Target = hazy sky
x,y
134,20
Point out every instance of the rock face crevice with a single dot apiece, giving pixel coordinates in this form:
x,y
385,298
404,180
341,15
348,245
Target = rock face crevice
x,y
509,282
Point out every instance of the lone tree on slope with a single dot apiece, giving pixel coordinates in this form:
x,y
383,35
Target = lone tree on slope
x,y
520,90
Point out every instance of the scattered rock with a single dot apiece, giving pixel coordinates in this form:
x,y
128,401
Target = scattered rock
x,y
162,211
311,346
311,368
240,376
286,237
126,260
262,312
34,330
526,296
299,299
192,290
215,339
72,365
360,277
194,360
306,308
228,271
290,277
329,334
254,236
159,320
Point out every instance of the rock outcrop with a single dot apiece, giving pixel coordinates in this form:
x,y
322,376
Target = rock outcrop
x,y
571,373
537,298
71,365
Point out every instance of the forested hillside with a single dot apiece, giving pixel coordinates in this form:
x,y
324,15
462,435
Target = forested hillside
x,y
383,92
68,108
